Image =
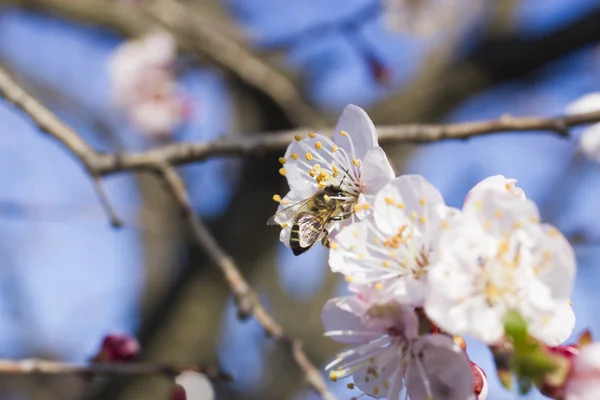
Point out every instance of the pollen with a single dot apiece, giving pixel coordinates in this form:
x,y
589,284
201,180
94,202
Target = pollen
x,y
333,376
282,171
349,279
355,234
422,201
547,254
284,225
390,201
366,206
334,148
498,213
326,198
308,156
321,185
317,167
350,386
298,138
386,263
312,135
413,215
385,384
335,170
282,160
294,156
284,202
508,187
312,173
400,206
445,224
277,198
518,225
356,162
333,245
379,286
343,133
356,207
423,220
376,390
318,145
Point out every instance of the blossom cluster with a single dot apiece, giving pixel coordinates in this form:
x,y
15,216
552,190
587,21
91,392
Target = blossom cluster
x,y
143,84
422,275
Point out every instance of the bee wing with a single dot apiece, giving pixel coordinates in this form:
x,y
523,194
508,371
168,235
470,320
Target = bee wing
x,y
286,216
311,226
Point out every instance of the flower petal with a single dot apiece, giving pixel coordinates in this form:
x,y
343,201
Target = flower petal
x,y
589,142
439,369
342,315
376,171
500,184
557,328
588,103
355,121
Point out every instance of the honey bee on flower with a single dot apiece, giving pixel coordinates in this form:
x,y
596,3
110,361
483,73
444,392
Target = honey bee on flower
x,y
331,181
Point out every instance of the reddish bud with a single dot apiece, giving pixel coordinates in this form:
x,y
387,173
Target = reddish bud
x,y
553,384
178,393
480,386
118,347
380,72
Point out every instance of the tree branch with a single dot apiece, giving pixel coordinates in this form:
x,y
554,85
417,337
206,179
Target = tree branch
x,y
43,367
246,299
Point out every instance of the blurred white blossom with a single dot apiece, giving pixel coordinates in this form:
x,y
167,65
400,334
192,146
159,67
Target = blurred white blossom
x,y
589,142
143,84
193,386
420,17
500,184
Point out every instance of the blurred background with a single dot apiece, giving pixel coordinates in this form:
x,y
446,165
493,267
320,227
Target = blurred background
x,y
67,278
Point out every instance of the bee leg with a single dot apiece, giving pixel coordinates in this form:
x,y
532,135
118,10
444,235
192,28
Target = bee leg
x,y
325,241
341,217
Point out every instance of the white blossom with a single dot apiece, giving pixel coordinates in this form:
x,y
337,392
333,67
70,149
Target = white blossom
x,y
143,84
589,141
196,386
497,256
352,162
420,17
393,248
388,354
500,184
583,382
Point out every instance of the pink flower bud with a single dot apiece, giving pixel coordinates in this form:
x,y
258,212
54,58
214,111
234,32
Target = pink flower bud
x,y
480,386
178,393
553,386
118,347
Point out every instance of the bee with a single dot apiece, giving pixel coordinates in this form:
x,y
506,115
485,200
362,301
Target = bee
x,y
309,217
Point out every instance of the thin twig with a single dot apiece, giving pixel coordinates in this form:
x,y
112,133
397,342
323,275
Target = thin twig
x,y
247,301
44,367
50,124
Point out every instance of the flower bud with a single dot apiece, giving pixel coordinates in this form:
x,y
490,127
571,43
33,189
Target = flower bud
x,y
480,386
553,384
118,347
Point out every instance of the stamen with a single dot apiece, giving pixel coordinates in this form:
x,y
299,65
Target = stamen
x,y
318,145
294,156
356,162
282,171
334,148
298,138
312,135
277,198
343,133
308,156
282,160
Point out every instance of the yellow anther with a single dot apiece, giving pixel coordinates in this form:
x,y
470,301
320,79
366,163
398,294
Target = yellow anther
x,y
423,220
517,225
478,205
334,148
294,156
312,173
355,234
385,384
356,162
308,156
321,185
285,201
386,263
318,145
376,390
298,138
400,206
350,386
277,198
356,207
445,224
366,206
379,286
390,201
317,167
487,225
282,171
312,135
547,254
333,245
422,201
498,213
372,360
343,133
413,215
553,232
508,187
284,225
333,375
335,171
569,301
349,279
282,160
